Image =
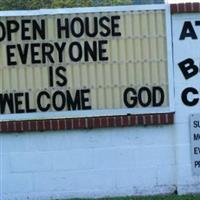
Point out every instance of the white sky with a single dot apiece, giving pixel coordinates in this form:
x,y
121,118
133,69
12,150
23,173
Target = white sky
x,y
181,1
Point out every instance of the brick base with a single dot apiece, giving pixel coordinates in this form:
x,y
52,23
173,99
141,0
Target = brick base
x,y
87,123
185,8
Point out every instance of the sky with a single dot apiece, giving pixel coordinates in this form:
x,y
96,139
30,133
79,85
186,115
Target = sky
x,y
181,1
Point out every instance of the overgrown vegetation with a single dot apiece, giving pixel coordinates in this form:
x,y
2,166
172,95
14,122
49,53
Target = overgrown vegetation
x,y
38,4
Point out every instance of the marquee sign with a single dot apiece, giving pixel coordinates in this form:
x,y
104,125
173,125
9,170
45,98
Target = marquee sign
x,y
103,60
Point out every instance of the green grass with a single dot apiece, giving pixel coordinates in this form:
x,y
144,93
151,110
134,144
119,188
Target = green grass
x,y
170,197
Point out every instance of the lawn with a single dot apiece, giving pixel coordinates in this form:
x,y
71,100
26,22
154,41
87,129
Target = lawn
x,y
170,197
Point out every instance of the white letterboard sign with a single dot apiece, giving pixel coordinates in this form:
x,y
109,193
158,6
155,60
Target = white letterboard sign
x,y
85,62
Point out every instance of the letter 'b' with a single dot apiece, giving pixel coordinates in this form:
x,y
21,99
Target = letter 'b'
x,y
188,68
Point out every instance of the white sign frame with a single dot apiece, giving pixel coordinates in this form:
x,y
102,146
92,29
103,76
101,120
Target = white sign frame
x,y
102,112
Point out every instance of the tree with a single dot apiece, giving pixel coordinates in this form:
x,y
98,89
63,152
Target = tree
x,y
70,3
12,4
112,2
38,4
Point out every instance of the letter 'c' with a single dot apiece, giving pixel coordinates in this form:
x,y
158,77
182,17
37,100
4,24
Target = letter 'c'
x,y
185,99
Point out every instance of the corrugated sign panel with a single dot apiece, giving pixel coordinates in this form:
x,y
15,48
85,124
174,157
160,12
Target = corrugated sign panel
x,y
84,61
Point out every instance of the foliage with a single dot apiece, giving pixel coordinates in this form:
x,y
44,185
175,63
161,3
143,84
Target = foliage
x,y
70,3
113,2
10,4
38,4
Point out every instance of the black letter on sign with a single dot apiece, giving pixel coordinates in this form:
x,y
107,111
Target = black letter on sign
x,y
60,72
51,77
10,55
105,27
60,50
92,51
184,96
6,99
85,100
103,50
55,100
72,54
35,56
47,49
3,31
18,102
73,104
188,31
39,29
115,25
39,97
27,104
23,52
25,29
64,27
94,31
142,97
77,22
188,68
158,91
133,98
12,27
